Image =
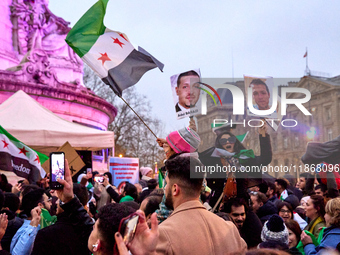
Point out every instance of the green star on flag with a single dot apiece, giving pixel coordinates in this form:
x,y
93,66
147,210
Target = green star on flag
x,y
109,53
18,157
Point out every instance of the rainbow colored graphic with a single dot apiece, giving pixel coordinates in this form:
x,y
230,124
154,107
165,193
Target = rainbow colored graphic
x,y
209,93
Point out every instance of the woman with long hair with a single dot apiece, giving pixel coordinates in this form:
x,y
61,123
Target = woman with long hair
x,y
315,211
228,143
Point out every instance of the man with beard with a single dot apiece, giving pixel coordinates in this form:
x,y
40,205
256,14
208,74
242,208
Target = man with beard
x,y
32,204
187,90
247,222
191,229
62,237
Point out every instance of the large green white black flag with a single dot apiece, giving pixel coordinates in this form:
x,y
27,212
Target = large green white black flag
x,y
109,53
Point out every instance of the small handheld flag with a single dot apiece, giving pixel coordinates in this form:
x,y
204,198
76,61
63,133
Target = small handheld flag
x,y
160,179
109,53
18,157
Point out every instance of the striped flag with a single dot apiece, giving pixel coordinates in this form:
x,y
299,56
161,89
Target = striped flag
x,y
241,138
22,160
283,195
160,179
109,53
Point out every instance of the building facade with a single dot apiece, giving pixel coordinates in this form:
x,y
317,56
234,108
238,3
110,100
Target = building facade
x,y
288,143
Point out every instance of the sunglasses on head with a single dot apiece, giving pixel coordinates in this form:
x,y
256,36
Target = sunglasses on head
x,y
231,139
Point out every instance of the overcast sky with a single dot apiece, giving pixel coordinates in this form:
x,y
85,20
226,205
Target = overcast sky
x,y
267,38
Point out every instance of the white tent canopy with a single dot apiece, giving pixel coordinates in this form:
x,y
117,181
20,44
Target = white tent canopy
x,y
31,123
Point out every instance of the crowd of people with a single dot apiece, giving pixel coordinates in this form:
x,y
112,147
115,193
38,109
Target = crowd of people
x,y
226,213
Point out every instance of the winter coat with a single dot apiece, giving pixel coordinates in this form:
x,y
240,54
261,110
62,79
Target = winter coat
x,y
191,229
266,211
331,238
69,235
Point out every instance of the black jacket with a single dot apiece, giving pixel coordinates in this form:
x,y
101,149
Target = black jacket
x,y
69,235
216,180
113,194
266,211
14,223
251,230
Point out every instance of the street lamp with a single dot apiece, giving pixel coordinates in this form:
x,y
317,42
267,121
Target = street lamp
x,y
120,155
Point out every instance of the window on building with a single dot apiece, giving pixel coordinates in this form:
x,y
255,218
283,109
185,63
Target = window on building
x,y
285,142
296,140
274,144
330,134
329,113
286,162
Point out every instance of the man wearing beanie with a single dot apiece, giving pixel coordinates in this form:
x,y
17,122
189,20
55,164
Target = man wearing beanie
x,y
274,234
184,141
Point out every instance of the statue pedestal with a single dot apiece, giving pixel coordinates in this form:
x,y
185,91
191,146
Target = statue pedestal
x,y
35,58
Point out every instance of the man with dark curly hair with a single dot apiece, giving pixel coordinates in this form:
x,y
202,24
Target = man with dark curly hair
x,y
102,239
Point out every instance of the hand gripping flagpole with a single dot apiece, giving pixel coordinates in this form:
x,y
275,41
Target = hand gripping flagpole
x,y
138,116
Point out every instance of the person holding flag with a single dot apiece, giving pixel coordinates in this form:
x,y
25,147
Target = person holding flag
x,y
229,151
183,142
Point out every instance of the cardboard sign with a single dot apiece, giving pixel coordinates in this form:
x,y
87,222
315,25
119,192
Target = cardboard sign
x,y
74,160
124,169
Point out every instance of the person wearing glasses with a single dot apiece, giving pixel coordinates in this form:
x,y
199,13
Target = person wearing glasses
x,y
228,141
286,212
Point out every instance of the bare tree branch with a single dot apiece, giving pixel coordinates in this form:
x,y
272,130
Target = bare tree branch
x,y
132,138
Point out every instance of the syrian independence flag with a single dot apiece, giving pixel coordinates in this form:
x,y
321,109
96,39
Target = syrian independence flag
x,y
284,195
160,179
109,53
241,138
17,157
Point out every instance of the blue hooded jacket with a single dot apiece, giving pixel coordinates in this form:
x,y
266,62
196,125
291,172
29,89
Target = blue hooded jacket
x,y
331,238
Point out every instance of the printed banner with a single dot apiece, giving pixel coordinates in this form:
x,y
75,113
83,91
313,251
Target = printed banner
x,y
124,170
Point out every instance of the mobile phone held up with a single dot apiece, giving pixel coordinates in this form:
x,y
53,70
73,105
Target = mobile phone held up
x,y
57,168
99,179
127,229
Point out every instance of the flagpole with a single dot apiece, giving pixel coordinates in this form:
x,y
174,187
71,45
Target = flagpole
x,y
307,60
138,117
307,69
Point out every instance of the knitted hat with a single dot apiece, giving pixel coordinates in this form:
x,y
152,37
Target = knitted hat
x,y
183,140
145,170
274,230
